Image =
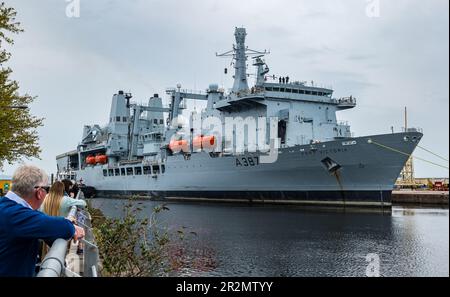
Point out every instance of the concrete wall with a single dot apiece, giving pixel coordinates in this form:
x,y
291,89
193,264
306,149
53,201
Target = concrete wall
x,y
420,197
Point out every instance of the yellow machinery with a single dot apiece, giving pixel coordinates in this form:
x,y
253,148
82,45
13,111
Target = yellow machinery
x,y
5,185
407,179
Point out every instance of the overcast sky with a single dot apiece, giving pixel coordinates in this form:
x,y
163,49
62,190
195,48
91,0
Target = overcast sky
x,y
75,65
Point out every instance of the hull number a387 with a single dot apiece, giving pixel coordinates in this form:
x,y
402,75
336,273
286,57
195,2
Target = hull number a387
x,y
247,161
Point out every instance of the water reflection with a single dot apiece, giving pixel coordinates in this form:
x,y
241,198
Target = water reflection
x,y
284,241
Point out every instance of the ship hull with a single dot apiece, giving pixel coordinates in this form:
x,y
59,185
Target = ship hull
x,y
328,198
364,175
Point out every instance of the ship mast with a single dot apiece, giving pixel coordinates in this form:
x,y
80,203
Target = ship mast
x,y
407,174
240,54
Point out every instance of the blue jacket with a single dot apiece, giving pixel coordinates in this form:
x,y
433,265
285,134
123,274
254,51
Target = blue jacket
x,y
20,231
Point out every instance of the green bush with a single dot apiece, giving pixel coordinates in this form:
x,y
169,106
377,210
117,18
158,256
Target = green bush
x,y
133,247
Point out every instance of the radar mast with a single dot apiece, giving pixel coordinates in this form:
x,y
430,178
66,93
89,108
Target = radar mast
x,y
240,54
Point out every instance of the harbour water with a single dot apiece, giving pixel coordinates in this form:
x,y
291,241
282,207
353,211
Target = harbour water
x,y
285,241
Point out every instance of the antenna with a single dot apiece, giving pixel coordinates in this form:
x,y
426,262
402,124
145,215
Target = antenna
x,y
406,119
240,53
407,174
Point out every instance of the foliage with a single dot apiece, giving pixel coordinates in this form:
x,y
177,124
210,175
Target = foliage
x,y
131,246
18,137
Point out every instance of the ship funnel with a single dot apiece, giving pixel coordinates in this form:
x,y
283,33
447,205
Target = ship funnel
x,y
119,116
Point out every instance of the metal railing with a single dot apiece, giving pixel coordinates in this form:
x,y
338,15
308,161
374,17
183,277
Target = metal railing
x,y
54,263
170,91
91,253
412,129
346,101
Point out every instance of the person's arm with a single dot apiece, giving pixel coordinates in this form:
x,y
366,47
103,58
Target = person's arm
x,y
34,224
69,202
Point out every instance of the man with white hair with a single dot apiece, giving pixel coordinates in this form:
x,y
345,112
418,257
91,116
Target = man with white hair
x,y
21,225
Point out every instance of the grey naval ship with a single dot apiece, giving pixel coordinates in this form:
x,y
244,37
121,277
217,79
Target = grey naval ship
x,y
146,150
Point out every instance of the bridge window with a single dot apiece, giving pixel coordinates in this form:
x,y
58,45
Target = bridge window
x,y
155,169
308,92
282,89
288,90
276,89
301,91
163,169
117,172
111,172
269,89
124,119
122,171
320,93
314,93
130,171
155,121
105,172
147,170
117,119
138,170
295,91
161,121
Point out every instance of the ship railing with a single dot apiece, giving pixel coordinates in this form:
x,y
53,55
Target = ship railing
x,y
250,92
412,129
126,162
146,104
346,101
197,92
186,91
170,90
257,90
153,162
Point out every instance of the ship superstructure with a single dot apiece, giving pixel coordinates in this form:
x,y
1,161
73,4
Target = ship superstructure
x,y
276,141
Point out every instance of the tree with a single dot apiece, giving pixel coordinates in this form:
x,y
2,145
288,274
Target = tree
x,y
18,135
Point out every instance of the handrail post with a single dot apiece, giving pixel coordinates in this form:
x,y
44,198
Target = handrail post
x,y
91,254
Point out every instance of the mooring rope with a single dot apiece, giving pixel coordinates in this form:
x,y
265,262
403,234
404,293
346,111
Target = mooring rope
x,y
440,157
406,154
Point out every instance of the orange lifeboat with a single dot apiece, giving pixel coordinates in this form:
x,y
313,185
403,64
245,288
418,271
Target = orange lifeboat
x,y
204,142
197,142
179,145
101,159
90,160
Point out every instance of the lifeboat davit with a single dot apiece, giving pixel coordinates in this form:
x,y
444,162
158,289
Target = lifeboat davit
x,y
204,142
101,159
177,146
90,160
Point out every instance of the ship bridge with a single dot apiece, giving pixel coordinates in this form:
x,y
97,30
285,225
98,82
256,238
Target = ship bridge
x,y
292,92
